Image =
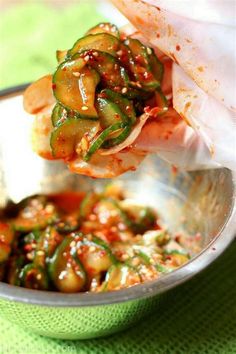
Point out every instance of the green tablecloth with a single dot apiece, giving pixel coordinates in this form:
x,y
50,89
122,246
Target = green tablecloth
x,y
197,317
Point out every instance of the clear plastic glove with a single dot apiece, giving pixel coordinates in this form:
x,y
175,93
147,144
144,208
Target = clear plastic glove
x,y
200,39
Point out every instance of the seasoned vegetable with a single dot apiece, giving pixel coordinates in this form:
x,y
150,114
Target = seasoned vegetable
x,y
141,66
33,277
72,242
36,214
98,142
103,42
104,77
73,93
105,27
66,271
68,135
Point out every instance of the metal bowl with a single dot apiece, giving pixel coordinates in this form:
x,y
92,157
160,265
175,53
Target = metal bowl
x,y
202,201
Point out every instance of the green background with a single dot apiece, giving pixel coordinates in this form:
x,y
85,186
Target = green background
x,y
31,32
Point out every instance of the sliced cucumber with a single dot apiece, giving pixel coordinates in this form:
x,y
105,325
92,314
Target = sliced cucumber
x,y
65,137
161,101
14,266
59,115
88,81
105,27
103,42
67,225
118,139
66,271
140,66
61,55
46,244
97,143
36,215
156,66
5,250
124,104
109,113
33,277
67,87
94,254
121,276
112,74
88,204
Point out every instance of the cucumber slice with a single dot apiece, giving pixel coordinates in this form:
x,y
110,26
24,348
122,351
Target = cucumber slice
x,y
71,91
118,139
161,101
140,66
59,115
121,276
65,137
14,266
97,143
156,66
88,81
124,104
87,204
33,277
105,27
109,113
112,74
103,42
36,215
66,271
5,250
61,55
95,255
47,243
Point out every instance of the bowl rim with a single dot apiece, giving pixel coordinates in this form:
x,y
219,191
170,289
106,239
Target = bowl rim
x,y
148,289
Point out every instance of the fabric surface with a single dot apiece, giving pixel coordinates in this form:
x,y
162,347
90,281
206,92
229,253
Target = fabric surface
x,y
197,317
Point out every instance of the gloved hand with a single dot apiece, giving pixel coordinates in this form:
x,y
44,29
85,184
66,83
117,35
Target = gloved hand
x,y
200,39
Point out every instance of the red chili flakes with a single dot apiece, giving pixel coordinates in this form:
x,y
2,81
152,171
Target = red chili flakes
x,y
178,47
158,35
174,169
54,86
139,20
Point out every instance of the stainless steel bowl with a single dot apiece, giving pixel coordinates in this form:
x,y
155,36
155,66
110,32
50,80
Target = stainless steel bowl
x,y
202,201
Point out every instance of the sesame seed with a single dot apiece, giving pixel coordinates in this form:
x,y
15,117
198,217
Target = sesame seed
x,y
73,244
84,144
76,74
92,248
95,54
86,58
149,51
40,253
39,276
124,90
84,108
119,53
124,257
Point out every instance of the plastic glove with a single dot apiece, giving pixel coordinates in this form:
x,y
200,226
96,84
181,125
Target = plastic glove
x,y
200,39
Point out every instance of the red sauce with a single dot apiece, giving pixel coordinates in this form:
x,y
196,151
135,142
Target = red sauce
x,y
68,201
